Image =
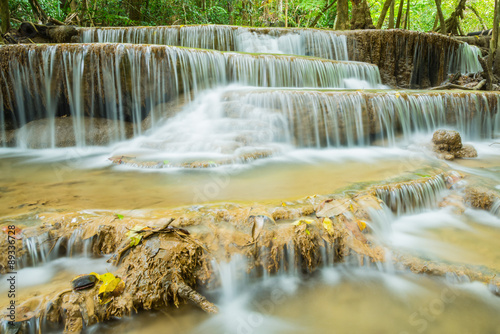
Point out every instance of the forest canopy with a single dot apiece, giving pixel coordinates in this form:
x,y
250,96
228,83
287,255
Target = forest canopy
x,y
421,15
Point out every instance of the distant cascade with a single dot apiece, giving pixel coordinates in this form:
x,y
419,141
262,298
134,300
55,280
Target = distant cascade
x,y
412,196
309,42
109,81
303,42
273,71
465,60
231,124
334,119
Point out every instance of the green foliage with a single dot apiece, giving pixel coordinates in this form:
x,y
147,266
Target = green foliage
x,y
423,13
301,13
20,10
217,15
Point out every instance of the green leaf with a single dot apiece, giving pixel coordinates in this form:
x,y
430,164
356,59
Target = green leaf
x,y
134,241
422,175
119,216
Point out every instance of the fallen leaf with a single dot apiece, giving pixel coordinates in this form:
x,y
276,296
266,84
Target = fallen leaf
x,y
332,208
135,234
106,278
119,216
283,204
361,225
307,231
111,287
328,225
302,221
96,275
134,241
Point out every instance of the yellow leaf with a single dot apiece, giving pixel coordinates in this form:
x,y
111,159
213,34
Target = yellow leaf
x,y
96,275
361,225
397,95
283,204
106,278
328,225
134,241
302,221
307,231
135,234
113,286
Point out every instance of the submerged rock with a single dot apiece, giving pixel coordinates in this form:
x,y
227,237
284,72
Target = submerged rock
x,y
448,145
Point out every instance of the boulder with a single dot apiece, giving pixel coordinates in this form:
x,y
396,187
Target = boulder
x,y
448,145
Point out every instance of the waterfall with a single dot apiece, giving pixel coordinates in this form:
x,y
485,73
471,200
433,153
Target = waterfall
x,y
234,124
333,119
465,61
310,42
123,83
414,195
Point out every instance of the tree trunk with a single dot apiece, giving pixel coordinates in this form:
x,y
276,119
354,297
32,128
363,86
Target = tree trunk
x,y
361,18
453,22
391,15
321,13
407,17
342,22
5,16
400,13
494,44
49,34
381,19
38,11
441,16
286,14
134,10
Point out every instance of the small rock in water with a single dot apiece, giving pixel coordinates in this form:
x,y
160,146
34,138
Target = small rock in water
x,y
448,145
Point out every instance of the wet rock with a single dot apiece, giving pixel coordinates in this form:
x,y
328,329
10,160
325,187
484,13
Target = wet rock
x,y
447,140
38,134
467,151
480,198
448,145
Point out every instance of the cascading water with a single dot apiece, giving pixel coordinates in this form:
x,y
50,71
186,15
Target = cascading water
x,y
412,196
465,60
495,208
311,42
233,123
118,90
303,42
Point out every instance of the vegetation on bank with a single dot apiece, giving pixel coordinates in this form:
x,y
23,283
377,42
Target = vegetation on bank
x,y
421,15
